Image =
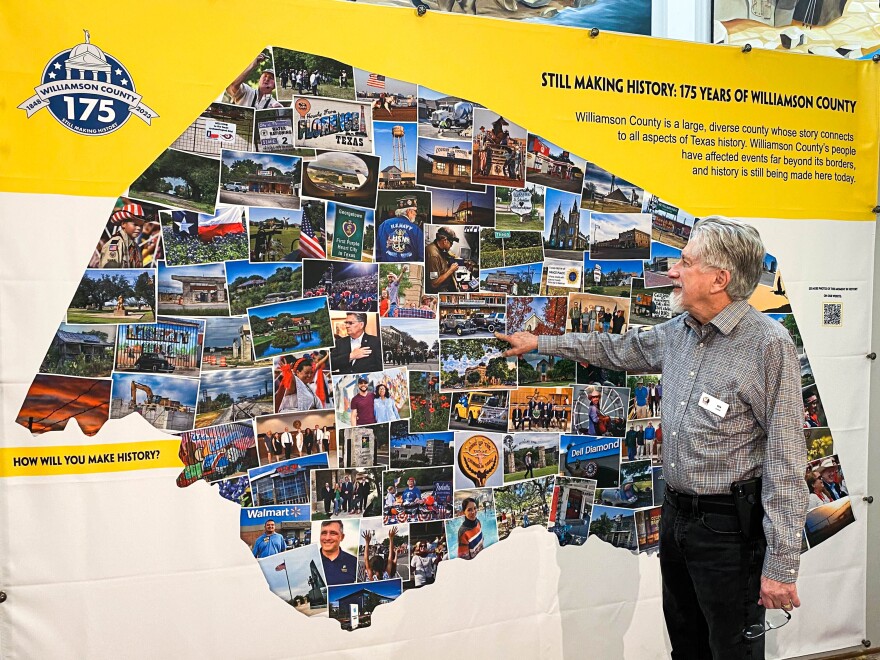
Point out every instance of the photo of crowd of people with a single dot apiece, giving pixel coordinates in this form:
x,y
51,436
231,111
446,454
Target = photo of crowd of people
x,y
348,287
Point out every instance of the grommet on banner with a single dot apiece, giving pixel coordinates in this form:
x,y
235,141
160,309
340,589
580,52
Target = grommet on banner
x,y
868,498
875,210
594,32
747,48
876,57
2,596
421,8
871,356
866,643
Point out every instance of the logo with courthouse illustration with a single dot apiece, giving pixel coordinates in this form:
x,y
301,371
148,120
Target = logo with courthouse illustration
x,y
88,91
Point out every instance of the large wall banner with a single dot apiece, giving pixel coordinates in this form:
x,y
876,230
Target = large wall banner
x,y
255,261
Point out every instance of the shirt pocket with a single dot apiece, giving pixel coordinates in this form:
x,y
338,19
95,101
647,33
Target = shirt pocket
x,y
715,426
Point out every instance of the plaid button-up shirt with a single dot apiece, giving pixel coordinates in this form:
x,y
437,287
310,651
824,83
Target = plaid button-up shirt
x,y
748,361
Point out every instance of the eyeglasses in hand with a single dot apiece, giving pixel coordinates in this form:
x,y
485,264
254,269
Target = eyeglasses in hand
x,y
772,622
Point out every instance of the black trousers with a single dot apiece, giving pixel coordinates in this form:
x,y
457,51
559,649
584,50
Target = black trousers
x,y
711,584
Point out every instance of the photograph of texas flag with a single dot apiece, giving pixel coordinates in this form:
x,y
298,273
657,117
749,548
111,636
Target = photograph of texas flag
x,y
198,238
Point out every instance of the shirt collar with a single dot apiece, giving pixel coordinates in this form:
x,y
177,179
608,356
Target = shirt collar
x,y
725,321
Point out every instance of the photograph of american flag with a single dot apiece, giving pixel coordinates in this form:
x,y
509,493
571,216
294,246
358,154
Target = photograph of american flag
x,y
309,246
377,81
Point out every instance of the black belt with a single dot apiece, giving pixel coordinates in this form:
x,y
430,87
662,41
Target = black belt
x,y
720,504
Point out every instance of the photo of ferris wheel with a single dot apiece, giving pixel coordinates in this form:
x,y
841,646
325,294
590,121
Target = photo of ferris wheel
x,y
609,405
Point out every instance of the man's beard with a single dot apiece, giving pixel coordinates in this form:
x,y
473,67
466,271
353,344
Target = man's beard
x,y
675,304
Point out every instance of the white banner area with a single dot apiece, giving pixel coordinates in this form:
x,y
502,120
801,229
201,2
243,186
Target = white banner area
x,y
98,563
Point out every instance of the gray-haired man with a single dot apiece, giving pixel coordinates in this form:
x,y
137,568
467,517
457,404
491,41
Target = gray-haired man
x,y
732,411
357,352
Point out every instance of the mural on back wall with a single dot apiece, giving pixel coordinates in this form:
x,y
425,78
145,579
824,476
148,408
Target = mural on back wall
x,y
238,361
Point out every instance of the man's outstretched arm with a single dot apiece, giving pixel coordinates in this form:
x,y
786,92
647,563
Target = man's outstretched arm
x,y
633,351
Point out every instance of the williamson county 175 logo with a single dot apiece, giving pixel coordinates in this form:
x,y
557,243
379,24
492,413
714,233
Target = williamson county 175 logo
x,y
88,91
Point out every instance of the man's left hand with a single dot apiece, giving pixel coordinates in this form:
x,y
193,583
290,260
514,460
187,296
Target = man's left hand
x,y
778,595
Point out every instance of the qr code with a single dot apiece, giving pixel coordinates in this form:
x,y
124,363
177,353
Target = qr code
x,y
831,313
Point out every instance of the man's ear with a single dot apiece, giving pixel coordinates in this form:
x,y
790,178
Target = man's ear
x,y
722,280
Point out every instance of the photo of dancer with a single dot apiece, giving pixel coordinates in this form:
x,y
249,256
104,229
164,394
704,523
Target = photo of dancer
x,y
302,382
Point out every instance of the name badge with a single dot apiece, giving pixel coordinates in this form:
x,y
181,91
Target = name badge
x,y
713,405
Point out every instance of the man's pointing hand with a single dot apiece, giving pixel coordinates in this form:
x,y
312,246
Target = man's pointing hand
x,y
520,343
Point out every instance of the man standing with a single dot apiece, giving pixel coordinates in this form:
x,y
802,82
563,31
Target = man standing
x,y
606,321
575,315
630,441
733,428
393,289
650,433
269,542
357,352
347,494
327,497
481,142
287,442
641,396
362,410
529,473
618,321
439,265
590,317
259,98
658,397
340,567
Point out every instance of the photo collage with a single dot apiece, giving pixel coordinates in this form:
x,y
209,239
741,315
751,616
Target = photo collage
x,y
306,287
